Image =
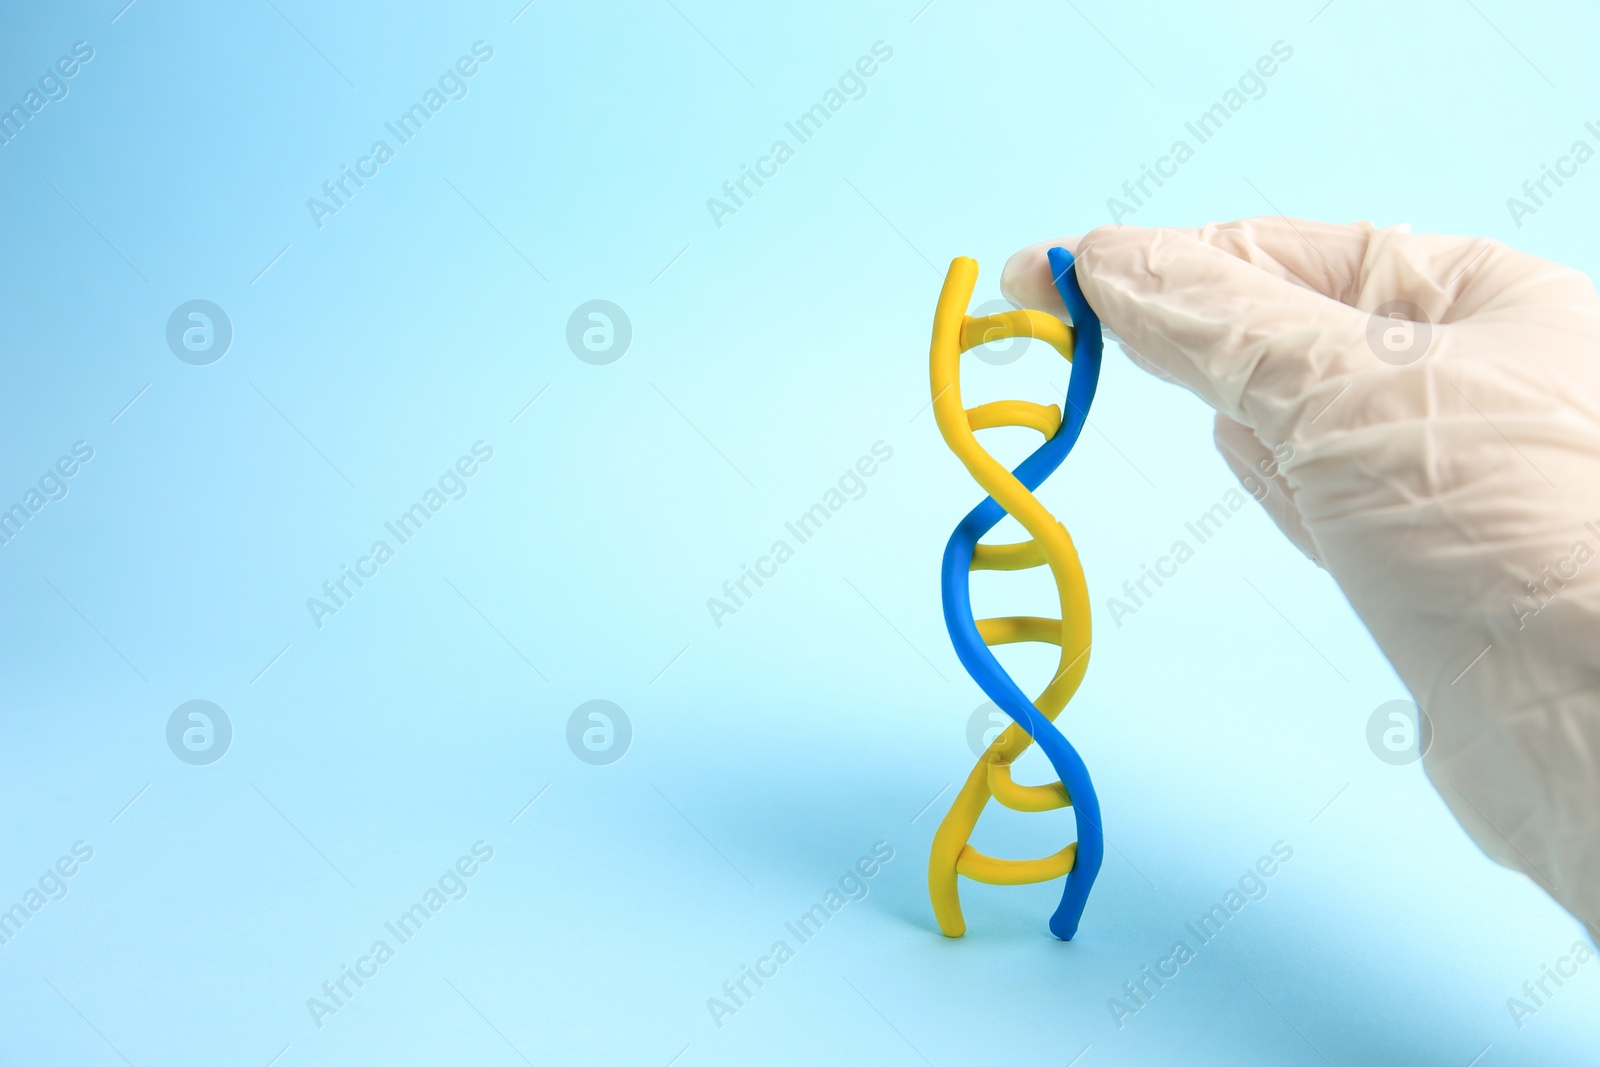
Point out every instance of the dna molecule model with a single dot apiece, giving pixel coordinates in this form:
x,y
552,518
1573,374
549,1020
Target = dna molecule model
x,y
1011,492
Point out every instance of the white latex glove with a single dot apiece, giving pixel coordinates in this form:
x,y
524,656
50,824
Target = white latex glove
x,y
1432,490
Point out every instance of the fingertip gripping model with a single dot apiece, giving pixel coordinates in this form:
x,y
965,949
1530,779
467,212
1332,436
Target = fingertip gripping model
x,y
1011,492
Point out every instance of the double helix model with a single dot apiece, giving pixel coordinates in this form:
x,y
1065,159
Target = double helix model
x,y
1011,492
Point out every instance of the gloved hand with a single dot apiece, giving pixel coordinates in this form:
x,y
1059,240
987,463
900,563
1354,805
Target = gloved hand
x,y
1445,471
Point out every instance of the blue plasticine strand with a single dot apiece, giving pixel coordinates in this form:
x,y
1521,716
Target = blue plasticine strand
x,y
976,657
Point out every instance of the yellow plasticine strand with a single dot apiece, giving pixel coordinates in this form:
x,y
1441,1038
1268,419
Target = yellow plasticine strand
x,y
1018,557
1046,418
1025,797
954,332
1020,629
1023,322
991,871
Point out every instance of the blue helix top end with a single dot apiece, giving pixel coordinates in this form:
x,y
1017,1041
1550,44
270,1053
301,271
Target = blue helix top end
x,y
1086,346
1066,279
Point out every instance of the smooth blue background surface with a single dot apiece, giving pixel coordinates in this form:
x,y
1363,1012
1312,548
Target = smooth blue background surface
x,y
768,354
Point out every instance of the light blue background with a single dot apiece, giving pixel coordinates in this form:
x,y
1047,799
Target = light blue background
x,y
768,354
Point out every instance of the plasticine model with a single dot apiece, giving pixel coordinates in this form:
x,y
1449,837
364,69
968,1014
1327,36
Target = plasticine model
x,y
1011,492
